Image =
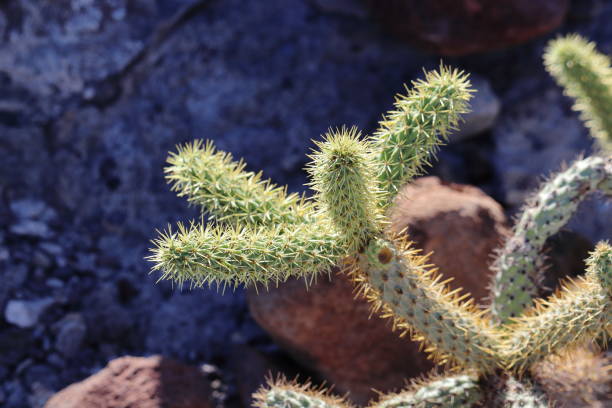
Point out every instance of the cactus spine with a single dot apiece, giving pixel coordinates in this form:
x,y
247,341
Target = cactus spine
x,y
262,236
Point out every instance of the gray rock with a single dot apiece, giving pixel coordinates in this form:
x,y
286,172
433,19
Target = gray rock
x,y
31,228
16,395
39,395
25,313
484,110
71,332
31,209
4,254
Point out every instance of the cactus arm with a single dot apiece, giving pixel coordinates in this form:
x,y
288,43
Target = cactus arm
x,y
521,260
233,256
586,75
211,179
575,314
344,179
521,394
457,391
283,394
411,134
399,283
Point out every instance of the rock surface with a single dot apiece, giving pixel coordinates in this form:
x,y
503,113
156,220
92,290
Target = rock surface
x,y
330,331
137,382
460,27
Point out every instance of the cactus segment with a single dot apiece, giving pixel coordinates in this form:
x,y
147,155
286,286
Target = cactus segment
x,y
211,179
344,179
586,75
521,261
456,391
580,311
283,394
411,134
246,256
599,266
521,394
400,284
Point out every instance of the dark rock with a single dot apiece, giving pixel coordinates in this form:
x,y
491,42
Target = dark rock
x,y
15,394
71,332
484,109
153,382
31,228
453,27
106,319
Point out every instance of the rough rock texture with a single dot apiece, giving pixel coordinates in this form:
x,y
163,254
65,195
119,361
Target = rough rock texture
x,y
460,27
329,331
136,382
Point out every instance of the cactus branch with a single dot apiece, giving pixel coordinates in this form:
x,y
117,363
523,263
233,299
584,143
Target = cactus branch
x,y
456,391
580,311
586,75
401,285
211,179
243,255
344,179
411,134
521,261
523,393
281,393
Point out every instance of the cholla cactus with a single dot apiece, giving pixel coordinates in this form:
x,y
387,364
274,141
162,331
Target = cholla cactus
x,y
262,236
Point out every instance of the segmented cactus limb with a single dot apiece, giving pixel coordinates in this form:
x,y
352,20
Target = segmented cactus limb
x,y
410,135
455,391
241,255
520,394
211,179
402,286
581,310
578,378
586,75
520,262
281,393
344,179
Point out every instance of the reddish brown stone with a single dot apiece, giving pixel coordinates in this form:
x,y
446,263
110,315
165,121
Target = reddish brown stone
x,y
137,382
460,224
330,332
460,27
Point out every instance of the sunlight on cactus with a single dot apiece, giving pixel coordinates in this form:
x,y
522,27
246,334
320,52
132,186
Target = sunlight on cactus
x,y
261,236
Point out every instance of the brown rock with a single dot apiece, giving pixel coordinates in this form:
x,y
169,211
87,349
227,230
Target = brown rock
x,y
138,382
460,27
460,224
330,332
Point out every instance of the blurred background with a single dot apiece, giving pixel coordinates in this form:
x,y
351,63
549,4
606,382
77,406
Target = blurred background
x,y
94,93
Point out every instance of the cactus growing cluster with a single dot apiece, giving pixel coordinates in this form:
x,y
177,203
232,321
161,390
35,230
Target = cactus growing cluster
x,y
260,235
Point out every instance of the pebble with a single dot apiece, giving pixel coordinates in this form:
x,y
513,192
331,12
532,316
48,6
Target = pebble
x,y
484,110
71,332
25,313
28,208
31,228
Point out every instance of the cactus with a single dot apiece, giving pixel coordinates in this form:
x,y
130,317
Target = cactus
x,y
262,236
586,75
